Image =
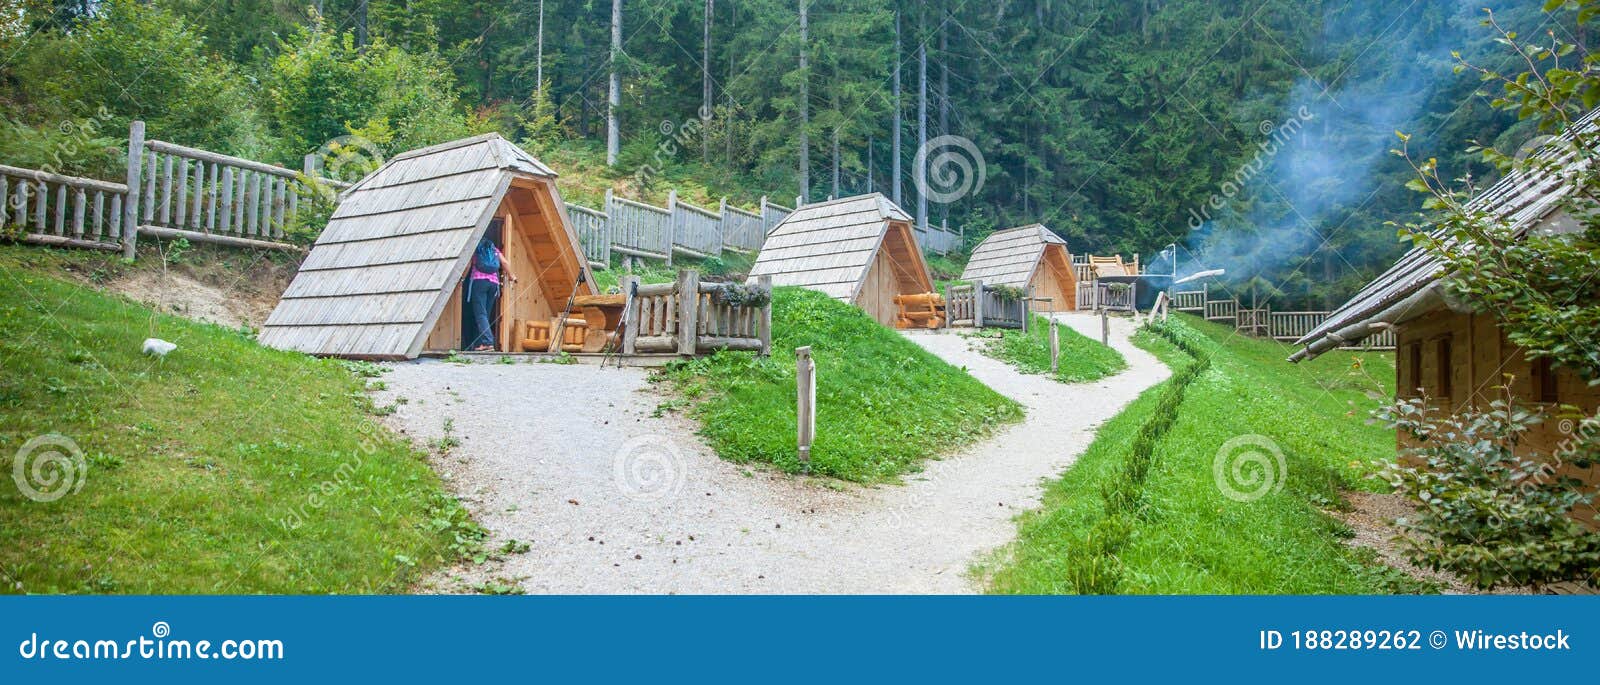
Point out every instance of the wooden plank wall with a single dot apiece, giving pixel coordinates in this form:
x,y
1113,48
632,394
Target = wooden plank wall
x,y
1480,364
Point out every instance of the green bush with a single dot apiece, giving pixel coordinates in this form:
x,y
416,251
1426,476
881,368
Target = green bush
x,y
321,86
1484,512
142,62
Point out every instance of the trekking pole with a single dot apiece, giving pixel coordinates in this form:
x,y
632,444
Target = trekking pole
x,y
559,331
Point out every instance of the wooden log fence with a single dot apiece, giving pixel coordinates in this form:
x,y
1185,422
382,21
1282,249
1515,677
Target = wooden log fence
x,y
1263,322
1094,295
688,317
68,211
975,305
696,231
175,191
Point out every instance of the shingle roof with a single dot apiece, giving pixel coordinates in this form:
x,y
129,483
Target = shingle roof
x,y
375,280
828,246
1521,199
1010,257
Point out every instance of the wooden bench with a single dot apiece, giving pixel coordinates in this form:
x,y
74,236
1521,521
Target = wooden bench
x,y
920,310
535,335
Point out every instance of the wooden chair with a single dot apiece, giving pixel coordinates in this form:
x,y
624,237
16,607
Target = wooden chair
x,y
535,335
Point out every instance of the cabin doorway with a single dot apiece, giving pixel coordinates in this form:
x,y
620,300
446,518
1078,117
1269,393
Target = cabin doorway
x,y
470,328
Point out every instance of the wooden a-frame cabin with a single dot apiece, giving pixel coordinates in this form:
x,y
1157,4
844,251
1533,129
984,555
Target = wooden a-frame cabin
x,y
384,280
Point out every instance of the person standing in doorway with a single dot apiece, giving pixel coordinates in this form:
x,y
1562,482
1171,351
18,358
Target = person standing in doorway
x,y
483,286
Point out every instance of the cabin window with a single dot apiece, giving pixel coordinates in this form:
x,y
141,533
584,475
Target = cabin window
x,y
1544,381
1413,378
1442,369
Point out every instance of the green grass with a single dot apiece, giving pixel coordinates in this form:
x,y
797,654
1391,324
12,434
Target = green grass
x,y
225,468
1176,532
945,269
883,403
729,264
1081,359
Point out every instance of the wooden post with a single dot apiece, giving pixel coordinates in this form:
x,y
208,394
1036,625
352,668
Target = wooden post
x,y
688,310
1055,347
949,305
1027,296
764,326
805,375
630,314
977,304
1105,328
130,207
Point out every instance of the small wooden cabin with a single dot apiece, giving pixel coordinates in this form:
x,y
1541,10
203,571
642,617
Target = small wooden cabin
x,y
1028,257
1454,356
858,249
385,278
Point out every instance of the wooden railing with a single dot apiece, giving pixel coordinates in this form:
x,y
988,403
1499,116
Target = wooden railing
x,y
688,317
1265,323
1094,295
170,191
638,229
61,210
188,192
741,229
1291,326
939,240
977,306
175,191
1189,300
590,225
1220,310
696,231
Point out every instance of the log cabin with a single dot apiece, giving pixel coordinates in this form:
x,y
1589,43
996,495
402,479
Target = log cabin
x,y
858,249
1453,355
384,280
1031,258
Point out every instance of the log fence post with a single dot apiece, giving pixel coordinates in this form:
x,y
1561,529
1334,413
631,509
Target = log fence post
x,y
806,403
130,206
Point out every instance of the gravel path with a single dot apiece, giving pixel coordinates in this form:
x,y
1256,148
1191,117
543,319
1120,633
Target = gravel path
x,y
613,500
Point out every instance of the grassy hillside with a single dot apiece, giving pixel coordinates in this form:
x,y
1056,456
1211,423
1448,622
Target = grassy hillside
x,y
1119,522
1081,359
224,468
883,403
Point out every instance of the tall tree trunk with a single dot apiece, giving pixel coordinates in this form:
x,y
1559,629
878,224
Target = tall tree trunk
x,y
705,87
944,99
361,23
835,161
922,126
869,165
805,111
894,153
539,54
614,94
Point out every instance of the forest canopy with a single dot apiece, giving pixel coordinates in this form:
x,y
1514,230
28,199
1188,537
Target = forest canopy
x,y
1252,135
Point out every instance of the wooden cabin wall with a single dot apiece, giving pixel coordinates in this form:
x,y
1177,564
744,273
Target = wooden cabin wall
x,y
446,333
525,300
878,289
1049,280
1481,366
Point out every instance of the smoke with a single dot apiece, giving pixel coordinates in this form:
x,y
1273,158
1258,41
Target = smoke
x,y
1316,163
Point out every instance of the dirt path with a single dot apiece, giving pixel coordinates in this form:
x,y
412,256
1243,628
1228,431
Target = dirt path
x,y
612,500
